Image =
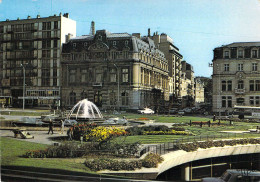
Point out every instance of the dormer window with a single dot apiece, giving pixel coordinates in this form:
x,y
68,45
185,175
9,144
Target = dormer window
x,y
126,42
114,43
254,53
226,54
99,37
240,53
85,44
74,45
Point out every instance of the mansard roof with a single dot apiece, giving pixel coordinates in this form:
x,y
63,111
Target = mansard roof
x,y
135,44
241,44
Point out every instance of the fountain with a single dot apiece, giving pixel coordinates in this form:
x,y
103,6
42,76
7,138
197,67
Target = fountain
x,y
85,110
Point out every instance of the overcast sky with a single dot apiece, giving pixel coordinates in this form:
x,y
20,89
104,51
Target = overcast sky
x,y
196,26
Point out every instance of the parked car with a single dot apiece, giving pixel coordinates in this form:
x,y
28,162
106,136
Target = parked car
x,y
181,112
236,175
146,111
173,110
187,110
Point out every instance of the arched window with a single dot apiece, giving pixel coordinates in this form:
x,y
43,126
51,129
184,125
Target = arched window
x,y
72,98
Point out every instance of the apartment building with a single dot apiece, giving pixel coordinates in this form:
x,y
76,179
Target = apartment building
x,y
236,76
166,45
33,46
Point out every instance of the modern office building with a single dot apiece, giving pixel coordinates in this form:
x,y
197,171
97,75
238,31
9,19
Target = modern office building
x,y
236,76
32,45
114,70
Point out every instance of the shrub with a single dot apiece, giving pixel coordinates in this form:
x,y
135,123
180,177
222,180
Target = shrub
x,y
141,130
171,132
151,160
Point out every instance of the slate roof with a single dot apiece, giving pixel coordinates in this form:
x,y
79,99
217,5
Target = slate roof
x,y
243,44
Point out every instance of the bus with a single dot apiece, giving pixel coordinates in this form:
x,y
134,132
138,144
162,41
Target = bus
x,y
250,112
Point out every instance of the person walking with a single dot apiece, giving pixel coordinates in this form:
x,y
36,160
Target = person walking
x,y
61,126
50,127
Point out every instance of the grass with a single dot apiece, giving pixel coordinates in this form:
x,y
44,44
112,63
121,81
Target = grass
x,y
24,113
12,152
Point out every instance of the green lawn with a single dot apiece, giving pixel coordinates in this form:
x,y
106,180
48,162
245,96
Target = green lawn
x,y
12,151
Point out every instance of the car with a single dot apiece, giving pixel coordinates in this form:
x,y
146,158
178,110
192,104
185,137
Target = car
x,y
187,110
235,175
181,112
173,110
146,111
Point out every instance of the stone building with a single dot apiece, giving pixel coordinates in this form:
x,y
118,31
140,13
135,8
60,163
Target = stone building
x,y
199,92
108,66
33,45
166,45
236,76
187,85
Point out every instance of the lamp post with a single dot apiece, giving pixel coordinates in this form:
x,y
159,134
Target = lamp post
x,y
23,83
117,86
219,100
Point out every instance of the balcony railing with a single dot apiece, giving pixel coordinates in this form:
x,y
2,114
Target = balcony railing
x,y
240,91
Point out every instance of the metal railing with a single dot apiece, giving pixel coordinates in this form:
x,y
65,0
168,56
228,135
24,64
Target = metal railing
x,y
165,148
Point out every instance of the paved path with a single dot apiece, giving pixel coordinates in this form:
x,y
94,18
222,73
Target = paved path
x,y
39,136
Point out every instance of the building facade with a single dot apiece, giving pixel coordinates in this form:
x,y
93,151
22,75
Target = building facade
x,y
166,45
236,76
199,92
115,71
33,45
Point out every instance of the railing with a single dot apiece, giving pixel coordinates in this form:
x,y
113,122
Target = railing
x,y
165,148
240,91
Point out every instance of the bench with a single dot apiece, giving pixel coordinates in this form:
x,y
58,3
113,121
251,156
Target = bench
x,y
23,133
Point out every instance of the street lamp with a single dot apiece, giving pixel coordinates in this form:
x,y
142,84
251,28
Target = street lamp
x,y
117,86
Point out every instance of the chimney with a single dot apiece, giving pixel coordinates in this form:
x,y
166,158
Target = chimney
x,y
38,16
68,37
18,18
92,28
66,15
138,35
28,17
149,32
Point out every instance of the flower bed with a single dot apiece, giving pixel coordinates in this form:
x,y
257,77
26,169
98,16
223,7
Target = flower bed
x,y
150,161
189,147
172,132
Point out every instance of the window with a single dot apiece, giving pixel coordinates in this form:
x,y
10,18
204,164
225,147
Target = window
x,y
257,85
254,53
46,44
56,25
124,98
251,100
112,98
72,98
85,44
229,85
240,101
240,67
84,75
114,43
251,85
98,77
229,101
240,53
240,84
224,86
55,43
224,101
74,45
44,26
83,95
72,77
226,67
257,100
254,66
112,75
226,54
125,75
125,54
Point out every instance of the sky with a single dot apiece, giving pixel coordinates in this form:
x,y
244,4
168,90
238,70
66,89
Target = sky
x,y
196,26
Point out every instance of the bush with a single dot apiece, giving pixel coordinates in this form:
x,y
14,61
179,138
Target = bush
x,y
141,130
67,150
121,149
171,132
152,160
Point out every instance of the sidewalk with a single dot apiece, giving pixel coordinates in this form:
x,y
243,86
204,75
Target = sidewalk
x,y
39,136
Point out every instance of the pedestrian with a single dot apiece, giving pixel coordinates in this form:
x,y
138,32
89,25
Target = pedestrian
x,y
70,133
50,127
61,126
214,117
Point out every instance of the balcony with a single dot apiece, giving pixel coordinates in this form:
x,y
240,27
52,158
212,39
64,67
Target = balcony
x,y
97,84
240,91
